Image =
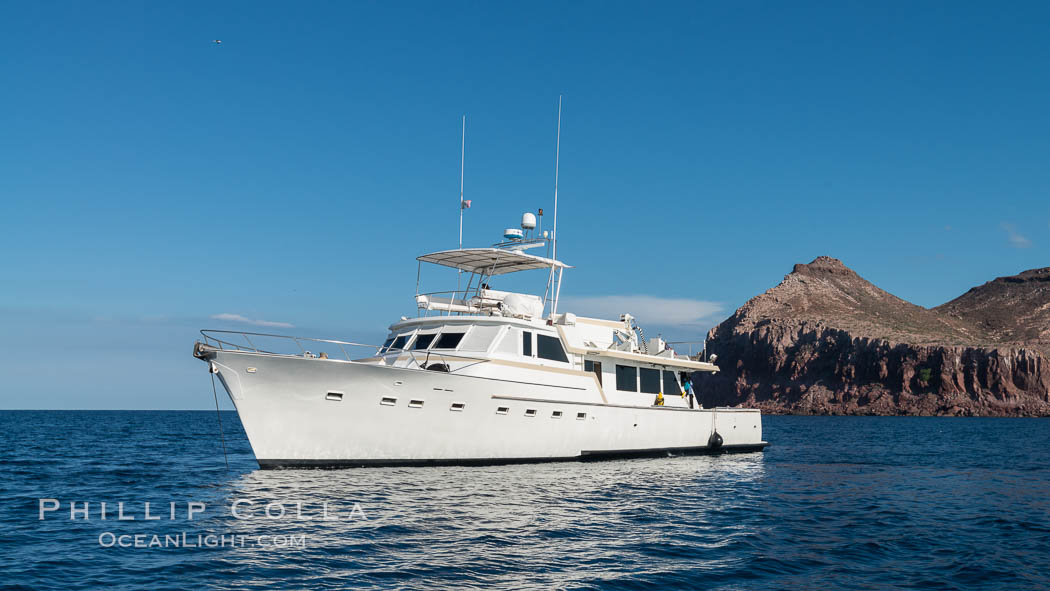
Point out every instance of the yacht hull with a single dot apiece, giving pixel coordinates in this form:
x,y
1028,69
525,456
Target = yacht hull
x,y
307,412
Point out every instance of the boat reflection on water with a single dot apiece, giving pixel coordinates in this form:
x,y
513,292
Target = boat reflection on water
x,y
513,525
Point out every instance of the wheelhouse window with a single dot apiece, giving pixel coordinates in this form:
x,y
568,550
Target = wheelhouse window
x,y
626,378
548,347
386,345
508,345
423,341
400,341
448,340
526,343
671,383
650,380
479,338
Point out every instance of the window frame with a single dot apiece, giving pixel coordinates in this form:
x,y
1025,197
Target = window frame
x,y
674,380
493,334
429,338
554,342
634,372
437,342
404,346
649,371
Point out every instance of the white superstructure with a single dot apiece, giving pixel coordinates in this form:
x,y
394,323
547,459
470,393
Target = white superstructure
x,y
481,375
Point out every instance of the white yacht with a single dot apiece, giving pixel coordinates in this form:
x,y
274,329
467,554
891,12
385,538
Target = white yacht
x,y
479,376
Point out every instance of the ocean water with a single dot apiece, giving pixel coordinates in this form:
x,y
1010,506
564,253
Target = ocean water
x,y
845,502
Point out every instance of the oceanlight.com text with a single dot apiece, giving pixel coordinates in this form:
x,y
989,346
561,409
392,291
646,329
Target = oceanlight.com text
x,y
188,540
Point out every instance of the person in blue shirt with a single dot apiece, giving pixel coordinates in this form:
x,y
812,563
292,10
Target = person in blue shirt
x,y
687,385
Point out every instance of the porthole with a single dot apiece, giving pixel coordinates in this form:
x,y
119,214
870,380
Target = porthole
x,y
388,401
502,410
556,414
415,404
530,412
581,416
458,406
334,396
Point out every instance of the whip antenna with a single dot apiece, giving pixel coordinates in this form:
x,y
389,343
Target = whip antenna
x,y
557,158
554,234
462,161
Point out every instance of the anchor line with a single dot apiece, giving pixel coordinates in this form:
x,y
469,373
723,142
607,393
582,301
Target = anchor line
x,y
222,437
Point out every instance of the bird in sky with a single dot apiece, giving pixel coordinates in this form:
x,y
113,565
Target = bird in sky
x,y
217,41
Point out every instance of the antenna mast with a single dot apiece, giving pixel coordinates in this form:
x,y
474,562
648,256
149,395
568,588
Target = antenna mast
x,y
557,157
462,160
556,288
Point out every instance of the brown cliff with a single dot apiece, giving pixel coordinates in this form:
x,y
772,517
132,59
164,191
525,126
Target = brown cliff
x,y
826,341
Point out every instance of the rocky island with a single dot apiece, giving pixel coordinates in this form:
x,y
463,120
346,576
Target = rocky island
x,y
826,341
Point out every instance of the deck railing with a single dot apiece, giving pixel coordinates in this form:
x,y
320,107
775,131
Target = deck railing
x,y
227,342
421,358
699,346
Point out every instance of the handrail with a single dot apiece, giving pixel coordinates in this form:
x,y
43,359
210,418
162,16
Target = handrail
x,y
700,351
209,338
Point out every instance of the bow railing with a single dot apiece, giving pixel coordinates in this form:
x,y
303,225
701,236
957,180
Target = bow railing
x,y
258,342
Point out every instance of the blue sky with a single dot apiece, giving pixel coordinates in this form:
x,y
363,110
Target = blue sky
x,y
151,180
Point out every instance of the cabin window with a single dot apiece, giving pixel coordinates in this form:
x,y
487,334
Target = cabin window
x,y
594,366
399,342
581,416
526,343
650,380
423,341
508,345
626,378
479,338
448,340
458,406
386,345
548,347
502,410
530,412
556,414
671,383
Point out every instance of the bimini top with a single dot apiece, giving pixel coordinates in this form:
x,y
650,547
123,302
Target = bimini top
x,y
490,261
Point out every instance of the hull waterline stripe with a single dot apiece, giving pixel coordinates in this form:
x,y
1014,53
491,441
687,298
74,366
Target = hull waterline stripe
x,y
583,457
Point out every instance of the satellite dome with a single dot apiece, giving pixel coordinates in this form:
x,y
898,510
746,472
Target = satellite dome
x,y
528,221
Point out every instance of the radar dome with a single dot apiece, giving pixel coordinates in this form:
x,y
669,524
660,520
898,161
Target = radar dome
x,y
528,221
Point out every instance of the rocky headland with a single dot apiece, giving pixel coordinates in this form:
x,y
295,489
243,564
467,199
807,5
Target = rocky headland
x,y
826,341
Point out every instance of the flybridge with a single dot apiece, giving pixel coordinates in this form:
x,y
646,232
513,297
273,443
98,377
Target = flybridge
x,y
490,261
477,298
